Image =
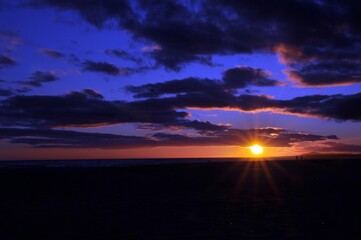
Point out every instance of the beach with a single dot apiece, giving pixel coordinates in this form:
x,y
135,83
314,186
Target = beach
x,y
310,199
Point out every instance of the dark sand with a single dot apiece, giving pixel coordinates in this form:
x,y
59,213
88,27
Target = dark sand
x,y
292,200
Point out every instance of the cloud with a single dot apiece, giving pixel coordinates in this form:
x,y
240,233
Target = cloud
x,y
187,32
23,90
102,67
111,69
10,40
123,55
342,147
5,92
86,108
6,61
51,53
89,108
327,73
233,78
37,78
187,85
92,93
48,138
96,13
241,77
39,114
333,147
339,107
205,128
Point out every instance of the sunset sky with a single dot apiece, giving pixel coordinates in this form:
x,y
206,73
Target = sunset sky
x,y
148,79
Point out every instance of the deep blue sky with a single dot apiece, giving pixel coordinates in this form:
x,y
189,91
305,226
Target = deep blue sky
x,y
118,79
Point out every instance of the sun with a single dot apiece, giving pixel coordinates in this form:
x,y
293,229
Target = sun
x,y
256,149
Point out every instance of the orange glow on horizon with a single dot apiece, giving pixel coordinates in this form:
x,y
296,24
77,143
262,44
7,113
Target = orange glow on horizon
x,y
27,153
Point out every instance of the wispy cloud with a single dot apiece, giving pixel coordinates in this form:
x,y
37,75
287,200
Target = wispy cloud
x,y
6,61
38,78
48,138
51,53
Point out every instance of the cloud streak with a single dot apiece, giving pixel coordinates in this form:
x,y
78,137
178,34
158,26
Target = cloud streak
x,y
241,77
6,61
48,138
208,94
102,67
51,53
86,108
233,79
5,92
123,55
38,78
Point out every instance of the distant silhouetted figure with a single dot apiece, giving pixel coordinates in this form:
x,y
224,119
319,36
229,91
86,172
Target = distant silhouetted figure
x,y
301,157
296,157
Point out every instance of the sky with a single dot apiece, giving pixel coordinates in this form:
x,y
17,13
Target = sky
x,y
85,79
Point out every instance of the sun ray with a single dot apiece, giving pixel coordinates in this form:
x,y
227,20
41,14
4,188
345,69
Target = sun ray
x,y
243,176
270,178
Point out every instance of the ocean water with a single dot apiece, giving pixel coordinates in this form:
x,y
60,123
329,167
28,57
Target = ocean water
x,y
203,199
91,163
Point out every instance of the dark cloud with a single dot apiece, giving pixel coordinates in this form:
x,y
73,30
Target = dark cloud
x,y
51,53
339,107
241,77
93,11
111,69
233,78
102,67
332,137
72,58
6,61
48,138
215,98
186,85
206,127
37,78
342,147
123,55
175,60
9,91
327,73
183,31
87,108
5,92
10,39
92,93
23,90
334,147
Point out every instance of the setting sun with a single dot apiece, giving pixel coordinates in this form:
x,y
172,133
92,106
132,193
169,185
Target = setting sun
x,y
256,149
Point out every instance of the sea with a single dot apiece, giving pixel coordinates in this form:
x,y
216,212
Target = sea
x,y
96,163
193,199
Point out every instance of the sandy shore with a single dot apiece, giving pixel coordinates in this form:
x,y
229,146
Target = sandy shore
x,y
273,200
